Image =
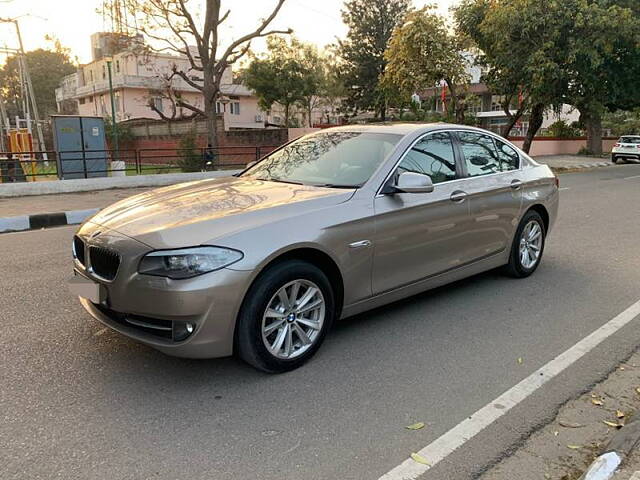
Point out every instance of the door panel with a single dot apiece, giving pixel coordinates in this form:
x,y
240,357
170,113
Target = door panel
x,y
421,234
418,235
494,190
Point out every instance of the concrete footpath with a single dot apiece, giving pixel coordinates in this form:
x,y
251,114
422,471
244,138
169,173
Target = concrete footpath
x,y
588,429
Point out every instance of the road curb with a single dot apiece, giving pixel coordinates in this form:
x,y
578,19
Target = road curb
x,y
581,166
605,466
44,220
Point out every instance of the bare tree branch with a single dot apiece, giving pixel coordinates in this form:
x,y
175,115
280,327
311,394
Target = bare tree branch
x,y
259,32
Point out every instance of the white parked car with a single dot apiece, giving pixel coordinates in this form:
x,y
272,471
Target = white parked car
x,y
627,149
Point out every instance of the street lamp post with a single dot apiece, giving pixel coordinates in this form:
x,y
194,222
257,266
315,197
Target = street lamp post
x,y
114,126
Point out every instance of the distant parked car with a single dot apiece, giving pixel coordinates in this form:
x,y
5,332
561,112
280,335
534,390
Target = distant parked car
x,y
627,149
330,225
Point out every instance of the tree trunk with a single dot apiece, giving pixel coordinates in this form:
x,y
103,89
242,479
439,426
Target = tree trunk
x,y
593,125
286,115
512,120
535,122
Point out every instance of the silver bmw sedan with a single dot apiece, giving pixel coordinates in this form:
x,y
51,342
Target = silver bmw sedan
x,y
332,224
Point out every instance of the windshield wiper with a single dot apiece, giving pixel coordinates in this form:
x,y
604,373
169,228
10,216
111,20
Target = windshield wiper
x,y
334,185
280,180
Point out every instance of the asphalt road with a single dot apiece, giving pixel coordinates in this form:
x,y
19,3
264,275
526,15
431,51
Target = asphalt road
x,y
80,401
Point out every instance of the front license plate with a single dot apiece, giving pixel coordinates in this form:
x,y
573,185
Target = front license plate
x,y
85,288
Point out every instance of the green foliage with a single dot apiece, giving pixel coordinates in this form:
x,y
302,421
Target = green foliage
x,y
622,122
189,156
123,130
289,73
370,24
46,68
561,129
422,53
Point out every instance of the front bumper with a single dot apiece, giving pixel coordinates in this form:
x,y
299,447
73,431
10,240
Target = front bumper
x,y
210,302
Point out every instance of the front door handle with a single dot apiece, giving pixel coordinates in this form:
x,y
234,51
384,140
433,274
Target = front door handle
x,y
516,184
458,196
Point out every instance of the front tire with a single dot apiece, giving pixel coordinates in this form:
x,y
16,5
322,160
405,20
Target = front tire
x,y
528,246
285,317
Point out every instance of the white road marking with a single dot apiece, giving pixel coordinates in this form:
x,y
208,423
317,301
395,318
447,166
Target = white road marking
x,y
564,188
439,449
629,178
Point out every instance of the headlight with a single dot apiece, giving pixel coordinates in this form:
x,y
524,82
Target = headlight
x,y
187,262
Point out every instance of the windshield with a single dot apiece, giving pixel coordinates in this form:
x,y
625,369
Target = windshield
x,y
630,140
333,159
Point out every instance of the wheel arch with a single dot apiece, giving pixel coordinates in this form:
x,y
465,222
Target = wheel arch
x,y
312,255
542,211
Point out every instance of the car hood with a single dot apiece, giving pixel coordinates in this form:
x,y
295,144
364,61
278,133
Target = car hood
x,y
197,212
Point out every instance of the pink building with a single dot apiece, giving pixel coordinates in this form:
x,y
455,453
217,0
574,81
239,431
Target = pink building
x,y
140,79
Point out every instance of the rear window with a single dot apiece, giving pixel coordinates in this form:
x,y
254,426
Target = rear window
x,y
630,140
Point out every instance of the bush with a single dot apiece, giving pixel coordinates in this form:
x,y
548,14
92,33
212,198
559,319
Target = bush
x,y
189,156
585,152
561,129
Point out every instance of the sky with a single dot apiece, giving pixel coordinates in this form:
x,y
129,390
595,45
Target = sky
x,y
73,21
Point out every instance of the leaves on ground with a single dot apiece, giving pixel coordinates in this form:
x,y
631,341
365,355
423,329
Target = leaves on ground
x,y
520,360
597,401
619,414
566,424
612,424
419,459
415,426
574,447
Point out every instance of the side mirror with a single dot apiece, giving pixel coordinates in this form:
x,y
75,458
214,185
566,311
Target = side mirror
x,y
251,164
410,182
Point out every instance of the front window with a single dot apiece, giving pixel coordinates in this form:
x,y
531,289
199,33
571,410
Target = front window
x,y
335,159
432,155
634,140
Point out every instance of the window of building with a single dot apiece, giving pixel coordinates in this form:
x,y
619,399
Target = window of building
x,y
157,103
234,108
218,107
91,75
117,66
116,99
432,155
480,153
104,72
81,100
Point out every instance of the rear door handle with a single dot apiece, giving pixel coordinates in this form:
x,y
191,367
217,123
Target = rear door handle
x,y
516,184
458,196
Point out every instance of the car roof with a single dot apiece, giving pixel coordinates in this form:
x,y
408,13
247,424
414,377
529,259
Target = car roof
x,y
401,128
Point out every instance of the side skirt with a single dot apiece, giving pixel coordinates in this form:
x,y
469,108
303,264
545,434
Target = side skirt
x,y
429,283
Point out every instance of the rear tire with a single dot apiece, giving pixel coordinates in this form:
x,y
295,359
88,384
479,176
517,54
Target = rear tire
x,y
528,246
285,317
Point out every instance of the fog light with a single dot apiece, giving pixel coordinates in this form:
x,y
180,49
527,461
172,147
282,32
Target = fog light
x,y
181,330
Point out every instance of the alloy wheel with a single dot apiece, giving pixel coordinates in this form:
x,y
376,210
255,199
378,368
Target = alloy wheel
x,y
293,319
530,244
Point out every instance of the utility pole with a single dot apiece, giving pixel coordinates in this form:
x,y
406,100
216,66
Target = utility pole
x,y
29,87
114,125
4,127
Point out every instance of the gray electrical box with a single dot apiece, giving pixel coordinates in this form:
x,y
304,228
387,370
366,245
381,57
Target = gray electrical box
x,y
81,146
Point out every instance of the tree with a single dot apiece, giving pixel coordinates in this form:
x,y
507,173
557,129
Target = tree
x,y
290,73
178,24
370,23
422,53
521,44
46,68
582,52
603,62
